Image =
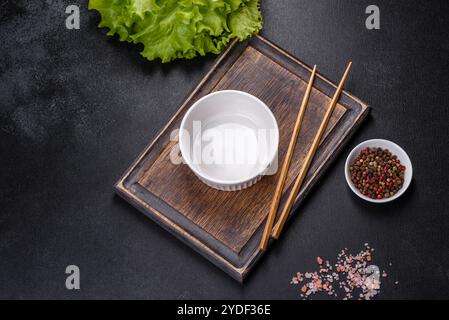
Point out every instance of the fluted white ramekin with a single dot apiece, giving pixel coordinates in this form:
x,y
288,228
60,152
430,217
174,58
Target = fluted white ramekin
x,y
229,139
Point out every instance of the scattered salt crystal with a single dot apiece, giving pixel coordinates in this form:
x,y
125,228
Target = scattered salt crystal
x,y
351,273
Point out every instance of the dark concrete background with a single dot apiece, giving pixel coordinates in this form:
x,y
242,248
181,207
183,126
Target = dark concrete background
x,y
76,108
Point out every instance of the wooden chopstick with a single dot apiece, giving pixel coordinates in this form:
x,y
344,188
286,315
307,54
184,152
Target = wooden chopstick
x,y
285,167
305,168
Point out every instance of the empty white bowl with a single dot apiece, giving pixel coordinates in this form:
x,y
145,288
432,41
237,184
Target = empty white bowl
x,y
229,139
395,150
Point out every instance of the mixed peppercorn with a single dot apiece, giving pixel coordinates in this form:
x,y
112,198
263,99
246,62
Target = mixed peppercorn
x,y
377,173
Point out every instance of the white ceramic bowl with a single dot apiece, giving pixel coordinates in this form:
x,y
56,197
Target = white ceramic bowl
x,y
229,139
395,150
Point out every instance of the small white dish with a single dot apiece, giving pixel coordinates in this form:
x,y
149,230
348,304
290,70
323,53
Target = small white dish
x,y
395,150
229,139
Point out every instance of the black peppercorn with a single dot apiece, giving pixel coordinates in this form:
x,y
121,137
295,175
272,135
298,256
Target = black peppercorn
x,y
377,173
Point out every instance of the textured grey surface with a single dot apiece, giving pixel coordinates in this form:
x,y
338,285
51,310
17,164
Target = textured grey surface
x,y
77,107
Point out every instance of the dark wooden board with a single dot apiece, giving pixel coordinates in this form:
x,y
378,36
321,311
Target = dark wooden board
x,y
226,227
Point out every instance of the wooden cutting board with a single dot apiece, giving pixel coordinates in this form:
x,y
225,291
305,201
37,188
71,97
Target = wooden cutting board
x,y
226,227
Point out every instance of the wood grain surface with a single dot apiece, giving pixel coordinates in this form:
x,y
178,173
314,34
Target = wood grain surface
x,y
233,217
226,227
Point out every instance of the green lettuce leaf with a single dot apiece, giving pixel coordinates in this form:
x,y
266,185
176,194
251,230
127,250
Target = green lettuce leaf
x,y
172,29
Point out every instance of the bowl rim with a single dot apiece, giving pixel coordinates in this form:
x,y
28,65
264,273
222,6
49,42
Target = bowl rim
x,y
364,144
209,178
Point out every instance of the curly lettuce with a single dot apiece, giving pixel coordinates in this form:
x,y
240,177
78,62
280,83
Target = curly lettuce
x,y
174,29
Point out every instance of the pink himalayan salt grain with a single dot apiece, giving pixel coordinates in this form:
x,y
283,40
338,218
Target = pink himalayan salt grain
x,y
352,273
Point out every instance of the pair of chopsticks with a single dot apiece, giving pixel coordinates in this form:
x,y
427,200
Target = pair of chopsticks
x,y
276,231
